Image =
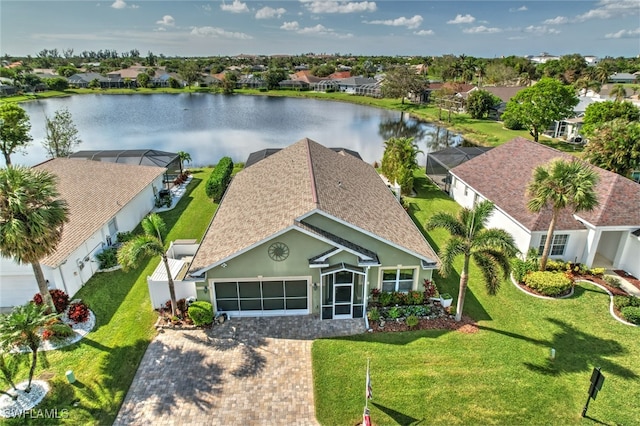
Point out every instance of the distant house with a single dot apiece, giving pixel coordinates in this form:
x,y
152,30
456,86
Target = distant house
x,y
505,93
608,236
82,80
623,77
104,199
307,230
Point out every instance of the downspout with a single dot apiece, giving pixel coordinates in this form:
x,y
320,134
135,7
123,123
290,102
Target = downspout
x,y
64,284
366,297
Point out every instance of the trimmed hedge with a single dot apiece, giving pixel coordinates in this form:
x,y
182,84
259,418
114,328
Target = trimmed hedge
x,y
621,302
631,314
201,313
548,283
219,179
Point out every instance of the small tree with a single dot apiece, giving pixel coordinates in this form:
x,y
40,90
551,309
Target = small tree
x,y
229,83
143,80
618,92
615,146
149,244
14,130
22,328
62,134
480,103
561,184
190,72
185,157
400,81
598,113
399,161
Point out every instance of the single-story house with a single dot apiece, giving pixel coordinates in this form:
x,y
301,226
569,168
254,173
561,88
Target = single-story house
x,y
84,79
308,230
440,162
606,236
103,199
623,77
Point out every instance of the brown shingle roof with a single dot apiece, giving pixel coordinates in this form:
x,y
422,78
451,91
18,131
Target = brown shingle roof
x,y
95,192
269,196
503,173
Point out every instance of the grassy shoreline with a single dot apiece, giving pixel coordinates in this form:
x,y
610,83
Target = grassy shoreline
x,y
479,132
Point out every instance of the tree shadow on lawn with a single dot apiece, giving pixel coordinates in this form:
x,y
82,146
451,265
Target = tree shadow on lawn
x,y
576,351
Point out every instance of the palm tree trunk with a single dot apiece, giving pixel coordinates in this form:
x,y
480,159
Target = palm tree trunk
x,y
42,286
464,280
34,361
7,159
172,288
549,240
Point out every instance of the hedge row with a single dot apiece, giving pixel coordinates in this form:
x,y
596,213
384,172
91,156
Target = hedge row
x,y
219,179
548,283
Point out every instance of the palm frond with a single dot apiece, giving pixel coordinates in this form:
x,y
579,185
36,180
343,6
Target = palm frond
x,y
133,251
489,269
446,221
451,249
497,239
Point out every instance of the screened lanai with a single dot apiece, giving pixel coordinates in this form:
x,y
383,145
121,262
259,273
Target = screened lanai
x,y
440,162
369,89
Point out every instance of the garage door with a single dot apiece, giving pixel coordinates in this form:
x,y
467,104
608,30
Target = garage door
x,y
262,297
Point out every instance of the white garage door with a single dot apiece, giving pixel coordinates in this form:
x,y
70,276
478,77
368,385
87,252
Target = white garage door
x,y
17,290
251,298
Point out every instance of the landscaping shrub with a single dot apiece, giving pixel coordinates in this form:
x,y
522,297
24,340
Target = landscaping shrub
x,y
108,258
417,310
621,302
385,299
57,331
548,283
78,312
125,236
201,313
599,272
430,289
60,299
373,314
395,312
398,298
556,265
415,298
521,268
219,179
412,321
612,281
631,314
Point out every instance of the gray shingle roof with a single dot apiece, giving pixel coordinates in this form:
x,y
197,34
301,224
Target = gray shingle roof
x,y
95,192
503,173
269,196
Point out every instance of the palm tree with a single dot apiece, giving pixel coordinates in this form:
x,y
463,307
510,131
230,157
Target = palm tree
x,y
491,248
618,92
22,327
185,157
149,244
9,368
31,219
561,184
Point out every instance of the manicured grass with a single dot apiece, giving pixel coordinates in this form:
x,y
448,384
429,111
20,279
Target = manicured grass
x,y
500,375
105,361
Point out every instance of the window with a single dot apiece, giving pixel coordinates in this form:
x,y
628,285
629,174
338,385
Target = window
x,y
558,245
635,175
113,227
397,280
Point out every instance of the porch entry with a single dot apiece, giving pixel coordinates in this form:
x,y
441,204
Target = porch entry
x,y
342,292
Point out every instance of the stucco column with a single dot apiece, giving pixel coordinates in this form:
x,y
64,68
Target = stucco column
x,y
593,238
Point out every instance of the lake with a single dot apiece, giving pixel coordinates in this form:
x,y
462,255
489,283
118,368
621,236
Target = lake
x,y
210,126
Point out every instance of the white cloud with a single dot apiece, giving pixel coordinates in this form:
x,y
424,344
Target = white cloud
x,y
610,9
624,34
167,20
410,23
207,8
424,32
558,20
269,12
332,6
236,7
482,30
460,19
218,33
290,26
119,4
160,29
543,29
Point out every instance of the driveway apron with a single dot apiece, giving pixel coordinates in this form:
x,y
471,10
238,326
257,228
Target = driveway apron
x,y
247,371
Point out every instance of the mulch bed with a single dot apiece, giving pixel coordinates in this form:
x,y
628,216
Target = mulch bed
x,y
466,325
633,280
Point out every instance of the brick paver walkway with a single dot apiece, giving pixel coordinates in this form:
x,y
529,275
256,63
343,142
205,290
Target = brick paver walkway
x,y
247,371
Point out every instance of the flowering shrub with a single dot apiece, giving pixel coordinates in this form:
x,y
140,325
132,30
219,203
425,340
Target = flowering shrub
x,y
60,299
430,289
78,312
57,330
415,298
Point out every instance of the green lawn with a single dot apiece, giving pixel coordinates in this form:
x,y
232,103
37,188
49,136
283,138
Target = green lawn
x,y
105,361
500,375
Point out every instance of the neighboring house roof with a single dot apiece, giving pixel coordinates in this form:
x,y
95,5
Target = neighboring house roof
x,y
143,157
503,173
274,194
95,192
254,157
505,93
306,76
87,77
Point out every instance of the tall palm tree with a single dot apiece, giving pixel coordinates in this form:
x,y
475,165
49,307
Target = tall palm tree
x,y
618,92
491,248
561,184
31,219
148,244
185,157
22,327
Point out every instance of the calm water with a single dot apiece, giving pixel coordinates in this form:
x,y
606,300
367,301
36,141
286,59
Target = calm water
x,y
209,126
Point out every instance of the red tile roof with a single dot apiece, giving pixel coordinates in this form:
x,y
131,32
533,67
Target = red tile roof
x,y
503,173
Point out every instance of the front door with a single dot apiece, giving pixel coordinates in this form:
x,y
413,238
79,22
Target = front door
x,y
342,301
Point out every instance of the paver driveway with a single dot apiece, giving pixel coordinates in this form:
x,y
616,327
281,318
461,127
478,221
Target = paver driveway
x,y
247,371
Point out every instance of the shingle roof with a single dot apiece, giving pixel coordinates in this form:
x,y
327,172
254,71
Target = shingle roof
x,y
269,196
503,173
95,192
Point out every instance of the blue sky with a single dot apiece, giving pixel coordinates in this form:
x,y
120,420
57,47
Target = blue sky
x,y
230,27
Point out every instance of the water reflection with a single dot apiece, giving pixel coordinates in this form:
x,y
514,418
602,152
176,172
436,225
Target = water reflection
x,y
212,126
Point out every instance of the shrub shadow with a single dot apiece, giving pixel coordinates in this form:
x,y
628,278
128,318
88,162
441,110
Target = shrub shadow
x,y
398,417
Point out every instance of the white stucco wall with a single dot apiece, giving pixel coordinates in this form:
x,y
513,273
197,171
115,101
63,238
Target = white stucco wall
x,y
630,260
18,283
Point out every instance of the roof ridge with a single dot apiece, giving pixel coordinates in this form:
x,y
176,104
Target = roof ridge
x,y
312,175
